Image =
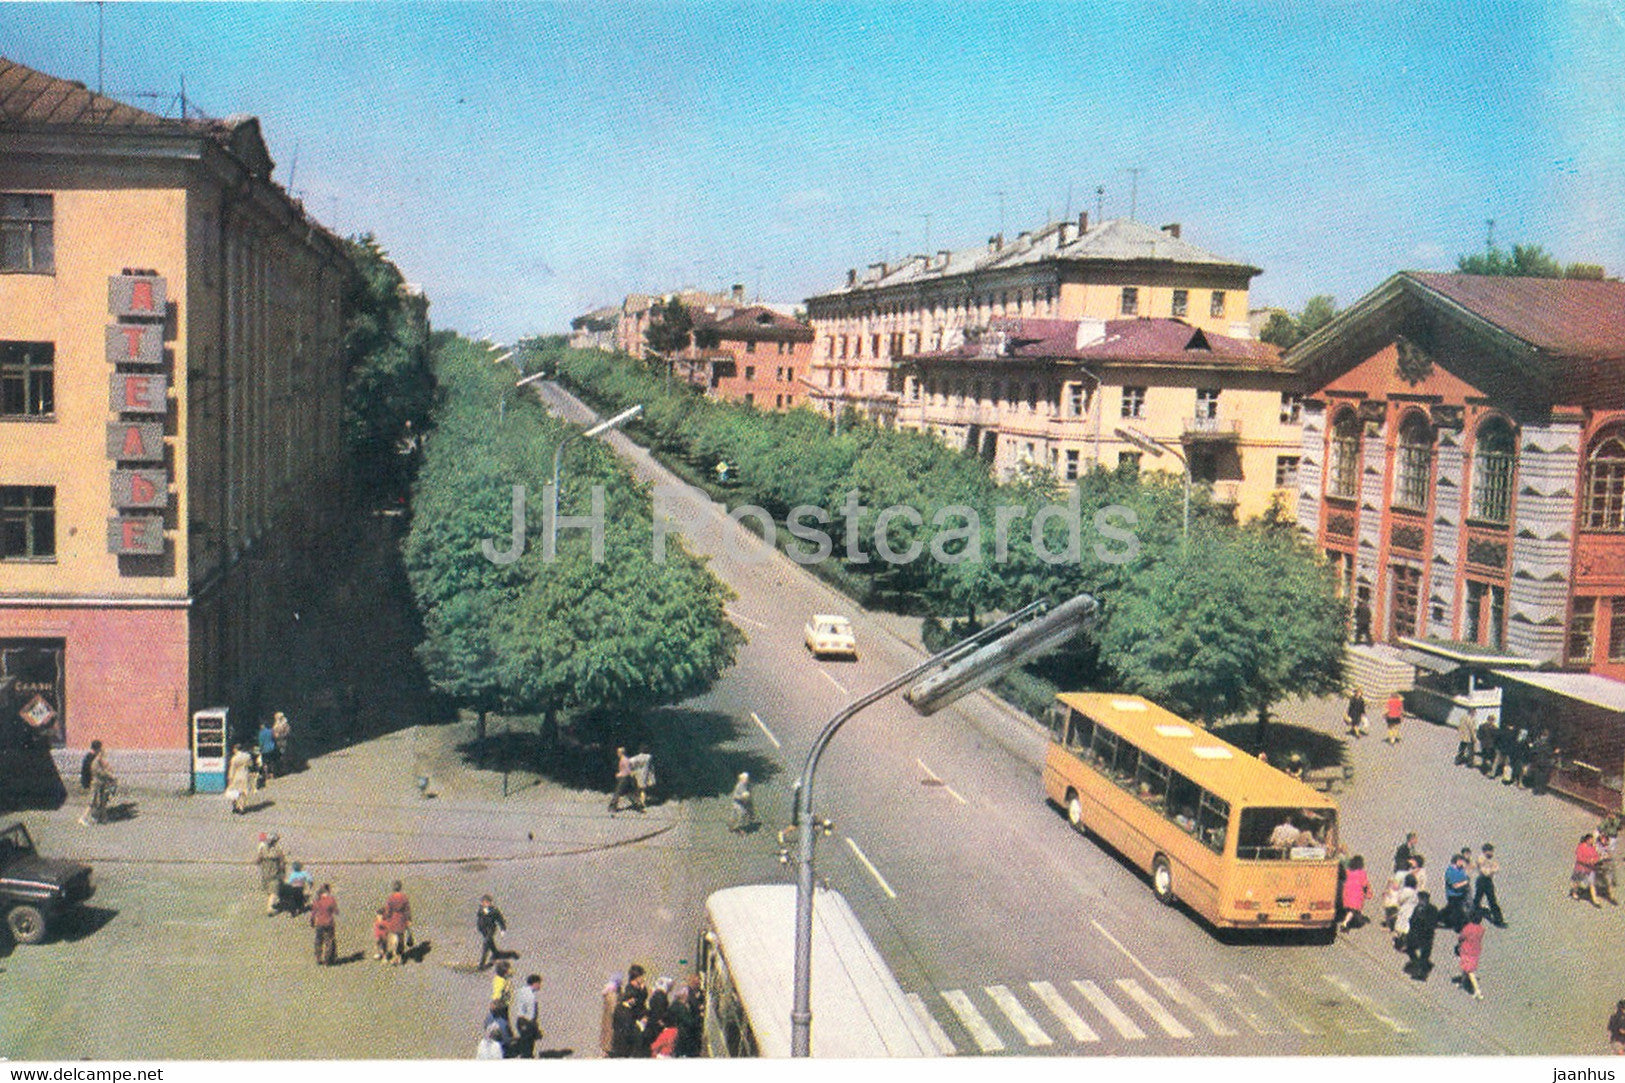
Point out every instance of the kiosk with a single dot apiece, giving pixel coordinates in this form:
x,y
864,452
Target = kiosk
x,y
209,730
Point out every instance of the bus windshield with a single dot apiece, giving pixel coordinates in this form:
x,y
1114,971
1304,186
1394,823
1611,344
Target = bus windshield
x,y
1286,834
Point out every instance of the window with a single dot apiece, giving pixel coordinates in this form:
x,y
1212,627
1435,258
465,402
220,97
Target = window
x,y
750,398
26,233
1582,625
1133,402
1345,480
790,375
1286,471
1128,460
1077,401
1486,613
33,669
1182,302
1407,597
1215,307
1291,408
750,345
1494,453
1605,486
1616,629
27,522
1151,780
1207,402
1071,465
750,372
27,379
1131,301
1415,463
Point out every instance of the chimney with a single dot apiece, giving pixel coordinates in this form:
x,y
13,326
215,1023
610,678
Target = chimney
x,y
1090,331
851,277
1060,232
1172,229
1026,237
943,256
881,267
1083,222
739,290
995,243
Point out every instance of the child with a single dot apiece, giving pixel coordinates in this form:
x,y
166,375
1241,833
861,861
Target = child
x,y
380,936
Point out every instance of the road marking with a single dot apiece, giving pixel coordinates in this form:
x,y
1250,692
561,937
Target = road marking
x,y
1143,969
1275,1001
870,865
216,924
740,616
1062,1011
1259,1024
1031,1032
1377,1010
836,683
938,780
980,1032
1193,1004
1120,1022
939,1037
1160,1015
756,718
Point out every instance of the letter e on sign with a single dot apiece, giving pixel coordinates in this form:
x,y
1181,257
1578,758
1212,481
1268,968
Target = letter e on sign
x,y
139,393
135,535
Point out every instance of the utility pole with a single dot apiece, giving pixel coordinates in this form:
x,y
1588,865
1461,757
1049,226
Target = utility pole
x,y
1134,189
1100,202
101,41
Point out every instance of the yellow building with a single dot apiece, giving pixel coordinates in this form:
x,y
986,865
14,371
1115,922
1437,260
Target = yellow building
x,y
171,374
1117,269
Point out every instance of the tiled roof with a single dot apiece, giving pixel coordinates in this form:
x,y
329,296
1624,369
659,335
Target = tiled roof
x,y
32,97
1564,317
1155,341
751,321
1116,240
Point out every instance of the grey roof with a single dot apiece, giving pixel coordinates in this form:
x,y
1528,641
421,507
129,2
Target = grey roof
x,y
1117,240
1592,688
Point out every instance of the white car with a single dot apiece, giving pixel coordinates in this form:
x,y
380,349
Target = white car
x,y
829,634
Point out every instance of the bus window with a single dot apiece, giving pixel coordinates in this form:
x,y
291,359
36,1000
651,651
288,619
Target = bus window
x,y
1123,767
1213,822
1079,732
1183,798
1151,780
1103,748
1290,834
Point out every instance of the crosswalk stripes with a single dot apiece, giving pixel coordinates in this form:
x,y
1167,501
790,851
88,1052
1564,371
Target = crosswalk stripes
x,y
1031,1032
1159,1015
1063,1012
939,1037
1289,1003
1259,1024
982,1034
1104,1004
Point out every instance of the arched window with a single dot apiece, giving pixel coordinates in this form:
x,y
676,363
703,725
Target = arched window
x,y
1605,486
1415,471
1495,453
1345,478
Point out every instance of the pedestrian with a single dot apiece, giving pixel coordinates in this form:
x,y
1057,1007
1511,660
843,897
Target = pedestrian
x,y
270,759
490,1047
1466,734
1420,871
498,1021
623,779
1419,940
1469,945
1406,902
1394,714
1457,881
1362,617
103,785
664,1044
624,1025
501,989
488,920
282,733
1605,866
611,996
690,1038
744,809
297,894
1484,887
681,1014
1584,876
643,775
273,865
526,1028
380,935
654,1018
1523,750
1402,854
1356,714
1541,763
1506,741
1488,734
238,782
1616,1030
1390,898
1356,890
398,924
324,912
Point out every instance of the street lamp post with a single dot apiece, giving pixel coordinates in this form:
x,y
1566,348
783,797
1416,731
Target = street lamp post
x,y
1154,447
970,665
558,462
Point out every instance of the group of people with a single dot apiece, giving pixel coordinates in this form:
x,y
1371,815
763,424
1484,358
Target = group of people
x,y
1511,753
291,889
1393,713
639,1021
513,1024
634,778
252,766
1594,866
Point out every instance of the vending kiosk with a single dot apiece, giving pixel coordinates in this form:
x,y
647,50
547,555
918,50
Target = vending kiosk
x,y
209,730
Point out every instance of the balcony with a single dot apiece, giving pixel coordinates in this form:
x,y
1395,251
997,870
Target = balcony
x,y
1212,428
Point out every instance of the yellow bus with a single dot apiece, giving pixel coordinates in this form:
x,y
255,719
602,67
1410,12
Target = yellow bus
x,y
1242,844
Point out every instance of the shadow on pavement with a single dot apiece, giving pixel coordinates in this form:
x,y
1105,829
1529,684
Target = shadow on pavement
x,y
81,922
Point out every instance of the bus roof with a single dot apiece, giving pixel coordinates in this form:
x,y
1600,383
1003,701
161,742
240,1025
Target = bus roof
x,y
1213,764
858,1009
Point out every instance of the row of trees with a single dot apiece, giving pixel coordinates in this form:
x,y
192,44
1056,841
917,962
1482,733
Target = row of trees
x,y
528,637
1230,621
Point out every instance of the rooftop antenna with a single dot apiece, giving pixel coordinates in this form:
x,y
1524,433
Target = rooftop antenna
x,y
758,270
1067,217
1100,202
101,41
183,97
1134,189
293,169
1489,234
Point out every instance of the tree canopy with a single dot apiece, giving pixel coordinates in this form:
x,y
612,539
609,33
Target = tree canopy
x,y
1286,331
1524,261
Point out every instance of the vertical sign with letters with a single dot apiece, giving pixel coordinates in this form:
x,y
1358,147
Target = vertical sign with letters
x,y
138,392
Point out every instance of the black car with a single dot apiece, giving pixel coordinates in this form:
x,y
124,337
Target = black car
x,y
35,890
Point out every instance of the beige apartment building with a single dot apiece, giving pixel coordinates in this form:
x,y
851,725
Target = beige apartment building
x,y
1113,270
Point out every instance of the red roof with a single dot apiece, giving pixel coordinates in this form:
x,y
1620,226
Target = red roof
x,y
1158,341
32,97
1565,317
752,321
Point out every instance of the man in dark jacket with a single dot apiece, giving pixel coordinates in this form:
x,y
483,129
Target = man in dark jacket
x,y
489,921
1487,736
1419,942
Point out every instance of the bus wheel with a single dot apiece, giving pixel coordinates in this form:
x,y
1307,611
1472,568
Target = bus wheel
x,y
1074,813
1162,880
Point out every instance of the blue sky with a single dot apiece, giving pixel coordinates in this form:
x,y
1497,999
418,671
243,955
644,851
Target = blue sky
x,y
526,162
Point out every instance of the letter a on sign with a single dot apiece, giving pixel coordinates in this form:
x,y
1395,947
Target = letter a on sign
x,y
141,296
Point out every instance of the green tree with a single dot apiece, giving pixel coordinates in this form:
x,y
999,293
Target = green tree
x,y
390,390
1525,261
1286,331
671,328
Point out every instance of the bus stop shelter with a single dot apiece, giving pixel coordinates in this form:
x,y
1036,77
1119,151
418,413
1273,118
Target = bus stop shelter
x,y
1586,716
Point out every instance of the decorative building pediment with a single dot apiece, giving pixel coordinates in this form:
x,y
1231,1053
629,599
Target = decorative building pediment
x,y
1371,410
1414,364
